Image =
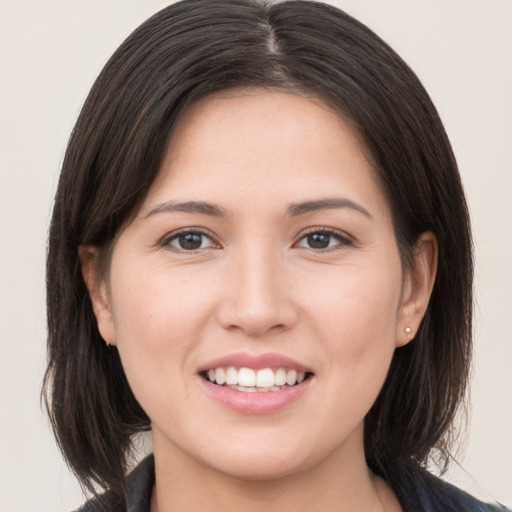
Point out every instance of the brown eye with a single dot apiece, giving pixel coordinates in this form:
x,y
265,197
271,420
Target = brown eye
x,y
319,240
322,239
188,241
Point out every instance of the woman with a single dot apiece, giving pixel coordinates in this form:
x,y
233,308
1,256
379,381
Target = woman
x,y
259,250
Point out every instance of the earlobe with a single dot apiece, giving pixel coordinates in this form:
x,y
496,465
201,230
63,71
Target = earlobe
x,y
418,284
97,288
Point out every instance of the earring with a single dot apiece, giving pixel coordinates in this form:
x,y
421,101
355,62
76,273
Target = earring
x,y
408,330
409,333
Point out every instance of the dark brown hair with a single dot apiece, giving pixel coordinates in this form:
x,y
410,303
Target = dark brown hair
x,y
197,47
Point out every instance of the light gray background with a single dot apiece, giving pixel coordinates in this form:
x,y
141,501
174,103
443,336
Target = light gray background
x,y
51,51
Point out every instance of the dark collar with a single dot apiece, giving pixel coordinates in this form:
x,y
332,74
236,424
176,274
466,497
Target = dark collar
x,y
416,489
139,486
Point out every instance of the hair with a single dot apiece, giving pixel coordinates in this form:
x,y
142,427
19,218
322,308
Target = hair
x,y
183,53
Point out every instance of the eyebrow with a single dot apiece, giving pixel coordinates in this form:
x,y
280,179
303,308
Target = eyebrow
x,y
201,207
302,208
294,210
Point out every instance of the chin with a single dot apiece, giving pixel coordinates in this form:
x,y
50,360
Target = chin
x,y
261,469
263,460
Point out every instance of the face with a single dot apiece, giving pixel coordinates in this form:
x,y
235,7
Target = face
x,y
263,254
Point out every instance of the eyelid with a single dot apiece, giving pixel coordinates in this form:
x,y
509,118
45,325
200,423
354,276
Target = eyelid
x,y
164,242
342,236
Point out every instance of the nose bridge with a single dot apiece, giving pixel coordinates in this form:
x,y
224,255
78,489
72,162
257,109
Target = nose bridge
x,y
259,301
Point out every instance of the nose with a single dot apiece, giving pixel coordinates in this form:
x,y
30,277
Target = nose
x,y
257,300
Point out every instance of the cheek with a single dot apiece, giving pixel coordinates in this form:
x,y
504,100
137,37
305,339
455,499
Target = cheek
x,y
354,319
354,304
159,308
159,316
355,326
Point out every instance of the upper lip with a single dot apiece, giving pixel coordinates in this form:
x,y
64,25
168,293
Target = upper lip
x,y
256,362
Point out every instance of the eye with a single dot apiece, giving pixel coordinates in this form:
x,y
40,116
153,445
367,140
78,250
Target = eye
x,y
188,241
323,239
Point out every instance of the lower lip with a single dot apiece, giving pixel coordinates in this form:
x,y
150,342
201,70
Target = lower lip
x,y
256,402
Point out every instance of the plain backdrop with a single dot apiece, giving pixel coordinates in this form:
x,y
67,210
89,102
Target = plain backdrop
x,y
50,53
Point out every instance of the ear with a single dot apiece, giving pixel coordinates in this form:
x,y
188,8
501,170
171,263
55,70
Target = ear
x,y
417,287
98,293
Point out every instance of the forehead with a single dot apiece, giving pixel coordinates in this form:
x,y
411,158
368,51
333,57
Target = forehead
x,y
251,143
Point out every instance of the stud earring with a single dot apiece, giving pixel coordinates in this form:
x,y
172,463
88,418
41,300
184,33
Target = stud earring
x,y
408,330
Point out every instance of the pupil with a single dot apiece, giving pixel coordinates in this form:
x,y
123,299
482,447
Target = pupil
x,y
190,241
319,240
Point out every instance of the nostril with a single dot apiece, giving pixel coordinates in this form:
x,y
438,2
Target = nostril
x,y
257,311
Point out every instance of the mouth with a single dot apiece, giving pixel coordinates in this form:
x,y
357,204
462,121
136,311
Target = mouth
x,y
257,384
252,380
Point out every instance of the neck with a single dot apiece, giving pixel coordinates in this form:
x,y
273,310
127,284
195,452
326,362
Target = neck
x,y
342,481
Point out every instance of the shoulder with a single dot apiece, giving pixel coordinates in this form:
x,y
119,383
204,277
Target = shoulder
x,y
135,497
420,491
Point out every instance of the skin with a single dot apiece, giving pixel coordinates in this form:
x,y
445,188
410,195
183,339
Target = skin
x,y
256,285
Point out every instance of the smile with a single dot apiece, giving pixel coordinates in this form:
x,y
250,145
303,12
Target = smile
x,y
255,383
255,380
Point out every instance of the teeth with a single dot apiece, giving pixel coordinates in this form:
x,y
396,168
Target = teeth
x,y
280,377
265,378
231,376
247,389
220,376
259,390
247,379
291,377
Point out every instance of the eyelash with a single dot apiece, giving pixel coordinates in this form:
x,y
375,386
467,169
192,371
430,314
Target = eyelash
x,y
342,239
166,241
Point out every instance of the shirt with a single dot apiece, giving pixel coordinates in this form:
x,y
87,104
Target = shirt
x,y
417,491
